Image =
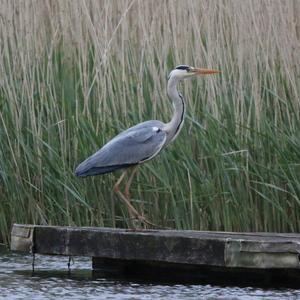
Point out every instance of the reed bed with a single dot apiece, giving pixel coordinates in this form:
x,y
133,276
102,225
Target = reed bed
x,y
75,73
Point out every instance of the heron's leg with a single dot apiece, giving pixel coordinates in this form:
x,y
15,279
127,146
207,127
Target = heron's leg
x,y
135,212
129,181
126,193
131,209
139,217
116,186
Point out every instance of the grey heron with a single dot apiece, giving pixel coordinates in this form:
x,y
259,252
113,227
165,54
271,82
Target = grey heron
x,y
141,142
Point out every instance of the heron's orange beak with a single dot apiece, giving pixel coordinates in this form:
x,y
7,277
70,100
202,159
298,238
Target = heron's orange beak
x,y
198,71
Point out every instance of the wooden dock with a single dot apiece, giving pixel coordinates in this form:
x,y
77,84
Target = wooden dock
x,y
171,254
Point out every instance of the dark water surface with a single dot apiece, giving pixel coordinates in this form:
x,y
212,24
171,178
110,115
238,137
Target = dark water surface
x,y
51,280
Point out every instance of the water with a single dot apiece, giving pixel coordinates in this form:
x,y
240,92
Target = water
x,y
51,280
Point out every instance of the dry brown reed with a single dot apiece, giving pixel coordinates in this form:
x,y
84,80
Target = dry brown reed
x,y
75,72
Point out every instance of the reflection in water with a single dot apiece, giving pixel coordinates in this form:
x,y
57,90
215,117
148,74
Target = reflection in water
x,y
52,280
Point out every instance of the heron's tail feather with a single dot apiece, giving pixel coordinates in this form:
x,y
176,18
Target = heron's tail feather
x,y
83,171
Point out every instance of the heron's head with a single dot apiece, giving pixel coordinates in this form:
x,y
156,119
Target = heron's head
x,y
183,71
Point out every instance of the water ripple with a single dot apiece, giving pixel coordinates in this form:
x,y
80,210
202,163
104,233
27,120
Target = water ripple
x,y
51,280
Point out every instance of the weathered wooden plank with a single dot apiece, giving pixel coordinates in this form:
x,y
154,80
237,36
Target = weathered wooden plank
x,y
130,245
22,237
180,247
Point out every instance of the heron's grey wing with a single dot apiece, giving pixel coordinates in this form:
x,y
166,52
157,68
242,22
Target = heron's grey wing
x,y
130,147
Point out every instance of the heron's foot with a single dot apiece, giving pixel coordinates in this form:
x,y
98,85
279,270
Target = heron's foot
x,y
132,211
140,222
137,221
147,223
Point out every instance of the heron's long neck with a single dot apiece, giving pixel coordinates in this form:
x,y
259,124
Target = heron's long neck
x,y
174,126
